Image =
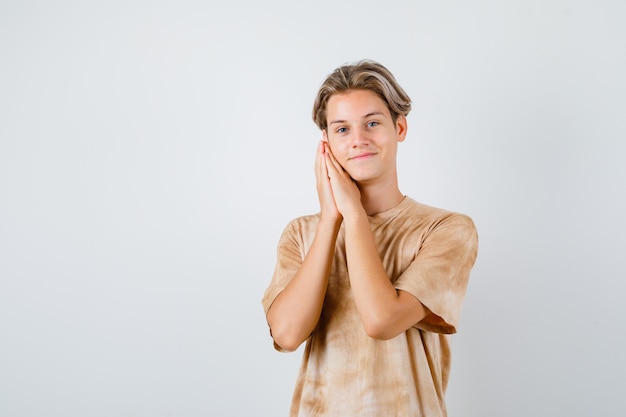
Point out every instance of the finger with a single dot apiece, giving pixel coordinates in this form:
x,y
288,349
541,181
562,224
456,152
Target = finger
x,y
333,162
322,166
319,158
328,151
330,167
328,157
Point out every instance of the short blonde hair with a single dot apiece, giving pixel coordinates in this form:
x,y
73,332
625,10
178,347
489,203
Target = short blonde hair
x,y
362,75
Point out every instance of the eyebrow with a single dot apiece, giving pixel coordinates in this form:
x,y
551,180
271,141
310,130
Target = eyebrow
x,y
374,113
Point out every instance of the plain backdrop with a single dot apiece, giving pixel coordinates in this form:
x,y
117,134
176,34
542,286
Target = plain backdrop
x,y
151,153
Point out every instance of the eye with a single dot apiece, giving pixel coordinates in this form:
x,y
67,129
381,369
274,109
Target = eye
x,y
372,124
342,130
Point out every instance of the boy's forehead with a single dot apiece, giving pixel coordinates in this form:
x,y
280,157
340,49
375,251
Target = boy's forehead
x,y
355,102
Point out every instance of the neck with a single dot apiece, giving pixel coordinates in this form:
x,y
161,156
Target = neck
x,y
377,198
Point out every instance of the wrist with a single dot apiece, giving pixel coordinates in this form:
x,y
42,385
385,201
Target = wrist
x,y
355,215
331,220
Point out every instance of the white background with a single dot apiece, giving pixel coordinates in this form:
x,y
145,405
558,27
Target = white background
x,y
151,153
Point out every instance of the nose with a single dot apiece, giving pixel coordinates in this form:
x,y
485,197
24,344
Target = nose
x,y
359,137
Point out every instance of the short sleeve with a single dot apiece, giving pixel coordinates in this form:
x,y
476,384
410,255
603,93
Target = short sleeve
x,y
439,274
289,259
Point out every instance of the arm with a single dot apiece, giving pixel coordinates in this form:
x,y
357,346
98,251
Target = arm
x,y
385,311
296,310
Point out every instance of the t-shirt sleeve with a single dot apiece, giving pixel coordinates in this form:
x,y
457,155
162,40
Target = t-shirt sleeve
x,y
439,274
289,259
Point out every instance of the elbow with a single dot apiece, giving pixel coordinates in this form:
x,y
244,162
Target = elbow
x,y
286,345
380,334
285,341
379,329
287,334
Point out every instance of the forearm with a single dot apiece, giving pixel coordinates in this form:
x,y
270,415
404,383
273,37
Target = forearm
x,y
385,311
296,310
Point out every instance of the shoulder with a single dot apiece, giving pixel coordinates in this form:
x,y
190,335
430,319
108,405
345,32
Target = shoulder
x,y
298,234
437,218
301,226
415,208
304,221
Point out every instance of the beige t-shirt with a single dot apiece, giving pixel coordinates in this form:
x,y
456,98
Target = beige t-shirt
x,y
427,252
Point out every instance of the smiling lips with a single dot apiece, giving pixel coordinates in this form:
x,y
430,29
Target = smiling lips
x,y
362,156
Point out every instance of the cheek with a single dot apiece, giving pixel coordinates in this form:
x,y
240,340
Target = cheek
x,y
337,148
340,156
339,152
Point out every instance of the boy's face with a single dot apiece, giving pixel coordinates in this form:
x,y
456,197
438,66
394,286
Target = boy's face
x,y
362,136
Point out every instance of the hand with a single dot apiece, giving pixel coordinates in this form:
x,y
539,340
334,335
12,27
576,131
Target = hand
x,y
324,190
346,194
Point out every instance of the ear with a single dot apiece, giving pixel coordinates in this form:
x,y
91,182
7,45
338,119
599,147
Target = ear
x,y
401,127
325,135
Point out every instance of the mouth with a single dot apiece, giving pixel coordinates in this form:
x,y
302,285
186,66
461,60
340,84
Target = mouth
x,y
362,156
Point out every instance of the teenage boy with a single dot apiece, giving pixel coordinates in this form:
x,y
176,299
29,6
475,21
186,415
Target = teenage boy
x,y
374,282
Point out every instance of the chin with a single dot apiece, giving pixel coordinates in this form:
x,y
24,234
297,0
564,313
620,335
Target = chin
x,y
362,179
363,174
